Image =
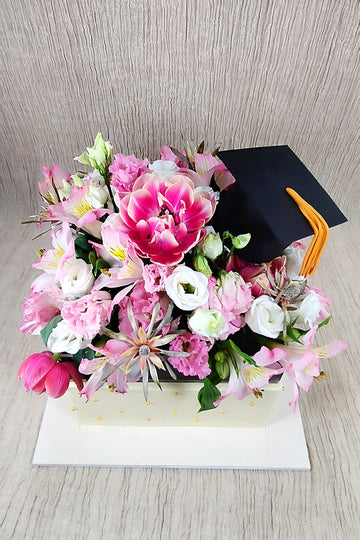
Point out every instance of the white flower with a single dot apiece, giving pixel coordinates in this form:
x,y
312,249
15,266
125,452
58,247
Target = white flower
x,y
265,317
77,279
207,322
164,169
294,256
62,339
307,310
97,195
187,288
211,246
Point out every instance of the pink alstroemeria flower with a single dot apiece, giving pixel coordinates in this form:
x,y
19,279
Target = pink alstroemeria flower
x,y
105,368
43,374
252,377
165,218
301,361
203,167
54,180
79,210
52,260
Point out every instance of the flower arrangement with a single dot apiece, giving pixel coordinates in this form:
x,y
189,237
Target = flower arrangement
x,y
139,285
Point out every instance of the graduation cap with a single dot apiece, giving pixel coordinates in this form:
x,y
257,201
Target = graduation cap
x,y
259,203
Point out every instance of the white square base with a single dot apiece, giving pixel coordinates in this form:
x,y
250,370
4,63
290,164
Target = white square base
x,y
280,445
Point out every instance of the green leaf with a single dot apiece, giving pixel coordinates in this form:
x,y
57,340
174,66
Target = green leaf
x,y
92,258
207,395
84,158
82,247
324,322
240,241
45,332
99,265
241,353
83,353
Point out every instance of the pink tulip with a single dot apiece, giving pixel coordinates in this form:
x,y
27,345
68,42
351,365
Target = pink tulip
x,y
165,218
43,374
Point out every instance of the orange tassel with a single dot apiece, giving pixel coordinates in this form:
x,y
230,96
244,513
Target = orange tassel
x,y
321,234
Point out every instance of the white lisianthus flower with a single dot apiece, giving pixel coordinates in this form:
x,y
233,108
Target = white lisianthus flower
x,y
265,317
163,168
211,246
207,322
62,339
97,196
307,310
77,279
187,288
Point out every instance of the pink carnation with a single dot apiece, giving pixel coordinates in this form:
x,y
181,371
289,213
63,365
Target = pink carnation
x,y
142,303
39,309
231,296
125,170
88,314
197,361
154,277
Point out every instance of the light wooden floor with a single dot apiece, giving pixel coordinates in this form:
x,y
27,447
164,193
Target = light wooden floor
x,y
93,503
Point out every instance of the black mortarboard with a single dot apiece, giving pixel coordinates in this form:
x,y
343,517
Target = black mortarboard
x,y
258,203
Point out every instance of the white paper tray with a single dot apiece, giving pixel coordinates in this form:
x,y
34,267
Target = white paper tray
x,y
281,445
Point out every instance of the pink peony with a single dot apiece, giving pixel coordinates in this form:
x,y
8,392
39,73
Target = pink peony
x,y
43,374
165,218
125,170
197,361
39,309
88,314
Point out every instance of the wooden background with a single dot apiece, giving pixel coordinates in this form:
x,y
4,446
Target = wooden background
x,y
146,73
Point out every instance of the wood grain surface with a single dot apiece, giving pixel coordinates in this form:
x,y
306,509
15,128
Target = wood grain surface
x,y
146,73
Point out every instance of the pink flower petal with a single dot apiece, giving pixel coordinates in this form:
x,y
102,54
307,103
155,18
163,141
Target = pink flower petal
x,y
180,193
333,348
36,368
57,381
168,241
142,206
204,162
74,374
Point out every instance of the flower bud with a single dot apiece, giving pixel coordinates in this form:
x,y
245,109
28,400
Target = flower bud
x,y
212,246
222,369
220,357
201,264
